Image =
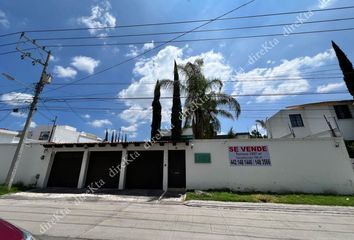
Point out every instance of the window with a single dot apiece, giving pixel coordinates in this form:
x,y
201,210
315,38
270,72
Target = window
x,y
44,135
343,112
296,120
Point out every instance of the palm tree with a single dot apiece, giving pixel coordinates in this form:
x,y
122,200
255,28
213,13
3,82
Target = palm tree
x,y
204,100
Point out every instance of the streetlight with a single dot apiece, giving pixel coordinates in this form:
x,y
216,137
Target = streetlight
x,y
11,78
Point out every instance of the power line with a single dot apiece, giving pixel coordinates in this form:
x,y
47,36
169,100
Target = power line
x,y
198,40
179,22
157,47
149,108
139,55
302,78
188,40
149,98
178,32
74,111
62,99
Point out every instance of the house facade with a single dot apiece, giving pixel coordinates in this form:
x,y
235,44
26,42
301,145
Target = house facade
x,y
8,136
49,133
314,120
319,165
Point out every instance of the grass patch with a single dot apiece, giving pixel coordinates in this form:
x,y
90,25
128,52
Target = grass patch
x,y
15,188
307,199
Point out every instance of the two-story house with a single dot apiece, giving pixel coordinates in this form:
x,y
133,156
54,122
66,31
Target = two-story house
x,y
320,119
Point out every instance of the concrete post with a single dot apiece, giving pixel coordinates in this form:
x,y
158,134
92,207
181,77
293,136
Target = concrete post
x,y
49,168
123,170
165,170
83,170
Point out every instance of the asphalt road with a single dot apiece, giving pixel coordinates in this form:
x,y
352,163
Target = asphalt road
x,y
151,218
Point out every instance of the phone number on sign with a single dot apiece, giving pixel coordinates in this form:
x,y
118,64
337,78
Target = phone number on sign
x,y
251,162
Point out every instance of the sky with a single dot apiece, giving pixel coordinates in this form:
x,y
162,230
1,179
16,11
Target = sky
x,y
114,75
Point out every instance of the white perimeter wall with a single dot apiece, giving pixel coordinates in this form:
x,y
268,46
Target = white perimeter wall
x,y
313,166
29,166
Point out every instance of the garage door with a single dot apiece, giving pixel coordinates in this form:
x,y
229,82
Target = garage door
x,y
65,170
146,171
99,167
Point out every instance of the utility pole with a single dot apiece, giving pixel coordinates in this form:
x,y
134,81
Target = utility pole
x,y
44,79
53,127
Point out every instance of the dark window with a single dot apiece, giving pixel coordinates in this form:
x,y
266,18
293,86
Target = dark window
x,y
296,120
44,135
343,112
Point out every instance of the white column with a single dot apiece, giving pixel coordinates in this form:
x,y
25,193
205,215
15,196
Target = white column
x,y
49,168
123,170
165,170
84,165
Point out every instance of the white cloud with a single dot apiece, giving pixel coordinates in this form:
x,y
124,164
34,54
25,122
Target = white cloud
x,y
148,46
100,123
63,72
100,17
325,3
19,114
131,130
330,87
53,58
87,116
135,51
3,20
16,98
287,69
85,64
33,125
160,66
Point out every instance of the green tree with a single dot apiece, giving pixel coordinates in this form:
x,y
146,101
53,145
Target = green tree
x,y
176,121
346,67
204,101
156,111
256,134
231,133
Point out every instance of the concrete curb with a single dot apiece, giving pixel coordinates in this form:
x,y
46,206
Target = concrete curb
x,y
272,207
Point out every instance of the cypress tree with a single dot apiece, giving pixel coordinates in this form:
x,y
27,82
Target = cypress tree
x,y
347,68
106,136
118,138
112,138
176,122
156,111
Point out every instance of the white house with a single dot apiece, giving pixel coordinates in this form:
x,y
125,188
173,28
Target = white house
x,y
61,134
314,120
8,136
48,133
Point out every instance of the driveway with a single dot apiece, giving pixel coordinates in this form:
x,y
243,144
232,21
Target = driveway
x,y
115,217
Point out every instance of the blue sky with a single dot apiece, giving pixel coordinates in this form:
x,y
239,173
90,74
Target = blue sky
x,y
307,58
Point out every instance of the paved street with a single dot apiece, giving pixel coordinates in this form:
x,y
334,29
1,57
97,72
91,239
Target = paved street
x,y
154,218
